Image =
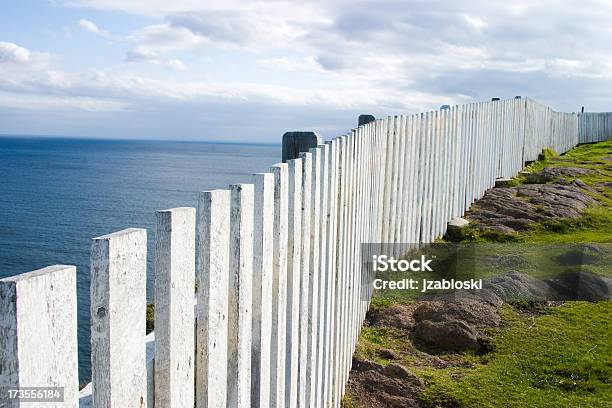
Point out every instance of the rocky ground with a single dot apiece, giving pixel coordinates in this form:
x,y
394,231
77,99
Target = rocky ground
x,y
546,195
435,331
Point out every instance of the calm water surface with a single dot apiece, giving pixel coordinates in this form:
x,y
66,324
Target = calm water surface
x,y
57,194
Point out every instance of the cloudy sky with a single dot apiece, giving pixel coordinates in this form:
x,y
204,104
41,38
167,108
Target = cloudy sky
x,y
237,70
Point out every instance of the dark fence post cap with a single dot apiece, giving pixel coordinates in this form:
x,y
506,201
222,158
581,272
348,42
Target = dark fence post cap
x,y
365,119
298,142
443,107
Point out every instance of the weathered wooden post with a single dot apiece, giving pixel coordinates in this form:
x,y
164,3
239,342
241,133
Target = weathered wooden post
x,y
330,262
339,270
315,288
294,228
212,277
38,324
240,300
365,119
295,143
305,254
174,311
323,166
118,315
279,285
262,288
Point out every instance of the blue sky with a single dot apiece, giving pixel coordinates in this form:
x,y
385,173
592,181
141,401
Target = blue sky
x,y
250,70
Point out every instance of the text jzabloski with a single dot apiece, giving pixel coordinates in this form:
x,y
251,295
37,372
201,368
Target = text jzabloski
x,y
384,263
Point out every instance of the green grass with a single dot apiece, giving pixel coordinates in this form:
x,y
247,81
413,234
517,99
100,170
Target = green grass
x,y
373,340
589,156
595,225
547,154
150,319
560,359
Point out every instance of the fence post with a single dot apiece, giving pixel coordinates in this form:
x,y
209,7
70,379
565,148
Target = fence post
x,y
314,290
295,143
339,263
212,276
365,119
293,280
305,306
262,288
330,261
118,309
323,167
38,322
174,312
240,298
279,285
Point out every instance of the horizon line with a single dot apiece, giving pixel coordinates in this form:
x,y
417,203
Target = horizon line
x,y
120,139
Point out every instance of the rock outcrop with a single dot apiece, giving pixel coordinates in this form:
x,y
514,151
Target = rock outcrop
x,y
513,209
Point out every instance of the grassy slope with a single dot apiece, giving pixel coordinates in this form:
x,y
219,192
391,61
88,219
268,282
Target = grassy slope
x,y
559,358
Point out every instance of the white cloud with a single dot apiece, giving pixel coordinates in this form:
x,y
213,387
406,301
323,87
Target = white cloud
x,y
93,28
301,64
176,64
143,54
10,52
164,37
249,28
121,90
276,9
54,103
475,22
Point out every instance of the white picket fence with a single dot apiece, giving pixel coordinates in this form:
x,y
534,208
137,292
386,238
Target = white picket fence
x,y
277,264
595,127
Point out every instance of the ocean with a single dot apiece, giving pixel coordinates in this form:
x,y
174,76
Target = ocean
x,y
56,194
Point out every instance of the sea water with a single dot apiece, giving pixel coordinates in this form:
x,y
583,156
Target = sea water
x,y
56,194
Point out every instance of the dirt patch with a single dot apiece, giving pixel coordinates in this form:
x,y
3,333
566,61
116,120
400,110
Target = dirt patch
x,y
398,316
377,386
448,335
453,324
581,286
